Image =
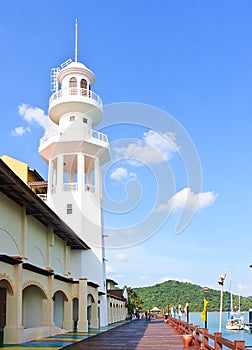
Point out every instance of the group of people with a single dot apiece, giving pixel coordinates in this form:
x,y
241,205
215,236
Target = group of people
x,y
149,315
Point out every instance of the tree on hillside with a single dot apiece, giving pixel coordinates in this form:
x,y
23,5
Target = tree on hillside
x,y
134,300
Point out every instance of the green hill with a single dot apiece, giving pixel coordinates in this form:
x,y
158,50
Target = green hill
x,y
172,293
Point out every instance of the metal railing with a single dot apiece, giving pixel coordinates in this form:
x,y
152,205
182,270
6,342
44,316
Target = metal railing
x,y
75,91
90,188
56,133
70,186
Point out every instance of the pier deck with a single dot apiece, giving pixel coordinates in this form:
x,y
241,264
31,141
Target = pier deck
x,y
135,335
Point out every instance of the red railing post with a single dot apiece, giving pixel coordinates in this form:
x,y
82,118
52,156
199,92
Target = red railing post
x,y
217,344
204,337
196,336
239,344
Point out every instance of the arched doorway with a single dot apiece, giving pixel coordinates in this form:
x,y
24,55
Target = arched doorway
x,y
92,312
75,313
90,300
32,300
5,290
58,308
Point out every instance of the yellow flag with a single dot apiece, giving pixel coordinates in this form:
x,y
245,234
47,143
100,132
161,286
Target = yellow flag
x,y
203,313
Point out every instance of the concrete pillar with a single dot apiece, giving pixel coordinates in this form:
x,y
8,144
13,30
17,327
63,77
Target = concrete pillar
x,y
68,323
94,322
13,332
83,322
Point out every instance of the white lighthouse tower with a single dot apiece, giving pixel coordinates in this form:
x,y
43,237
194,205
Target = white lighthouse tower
x,y
75,154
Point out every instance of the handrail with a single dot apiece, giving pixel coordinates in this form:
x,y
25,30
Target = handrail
x,y
56,133
201,336
74,91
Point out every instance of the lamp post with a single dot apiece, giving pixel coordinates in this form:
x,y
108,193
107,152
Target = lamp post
x,y
221,280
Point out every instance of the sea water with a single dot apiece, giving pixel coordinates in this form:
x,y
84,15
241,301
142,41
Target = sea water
x,y
213,319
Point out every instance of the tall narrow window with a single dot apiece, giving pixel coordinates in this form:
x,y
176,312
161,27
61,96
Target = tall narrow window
x,y
83,85
69,208
73,86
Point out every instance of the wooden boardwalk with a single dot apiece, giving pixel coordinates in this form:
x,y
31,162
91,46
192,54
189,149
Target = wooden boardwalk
x,y
135,335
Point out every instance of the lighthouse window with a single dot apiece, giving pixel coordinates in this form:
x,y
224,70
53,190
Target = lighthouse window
x,y
69,208
85,120
83,85
73,86
72,118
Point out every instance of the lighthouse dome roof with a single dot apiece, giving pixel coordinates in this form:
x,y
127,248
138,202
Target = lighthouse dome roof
x,y
76,68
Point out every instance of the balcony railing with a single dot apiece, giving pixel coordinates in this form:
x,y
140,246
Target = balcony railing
x,y
57,133
70,186
74,91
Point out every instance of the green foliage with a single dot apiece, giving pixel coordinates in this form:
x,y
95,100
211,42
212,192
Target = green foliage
x,y
172,293
134,300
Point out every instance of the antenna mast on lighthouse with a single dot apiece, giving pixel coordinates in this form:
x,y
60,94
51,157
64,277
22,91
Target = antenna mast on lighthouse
x,y
76,40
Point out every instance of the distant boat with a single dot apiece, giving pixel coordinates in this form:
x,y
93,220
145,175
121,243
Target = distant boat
x,y
235,321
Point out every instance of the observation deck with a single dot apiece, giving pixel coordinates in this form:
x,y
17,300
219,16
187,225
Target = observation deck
x,y
91,141
75,99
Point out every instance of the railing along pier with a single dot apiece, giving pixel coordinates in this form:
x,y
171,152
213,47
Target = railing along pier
x,y
204,339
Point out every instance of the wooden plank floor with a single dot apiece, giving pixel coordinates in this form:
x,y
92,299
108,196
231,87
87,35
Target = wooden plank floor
x,y
135,335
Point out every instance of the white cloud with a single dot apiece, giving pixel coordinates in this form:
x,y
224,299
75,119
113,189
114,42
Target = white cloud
x,y
190,200
119,173
32,115
20,130
121,257
153,148
122,173
110,270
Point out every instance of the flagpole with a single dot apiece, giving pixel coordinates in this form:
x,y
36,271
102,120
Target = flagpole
x,y
205,304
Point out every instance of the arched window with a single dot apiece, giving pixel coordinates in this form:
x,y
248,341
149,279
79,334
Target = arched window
x,y
73,86
83,85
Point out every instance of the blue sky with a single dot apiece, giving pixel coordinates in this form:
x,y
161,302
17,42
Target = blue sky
x,y
190,63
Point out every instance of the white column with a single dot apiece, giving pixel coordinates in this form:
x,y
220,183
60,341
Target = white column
x,y
60,173
97,176
80,171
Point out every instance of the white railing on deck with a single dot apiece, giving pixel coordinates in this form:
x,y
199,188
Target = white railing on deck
x,y
56,133
70,186
74,91
90,188
99,136
49,135
73,186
